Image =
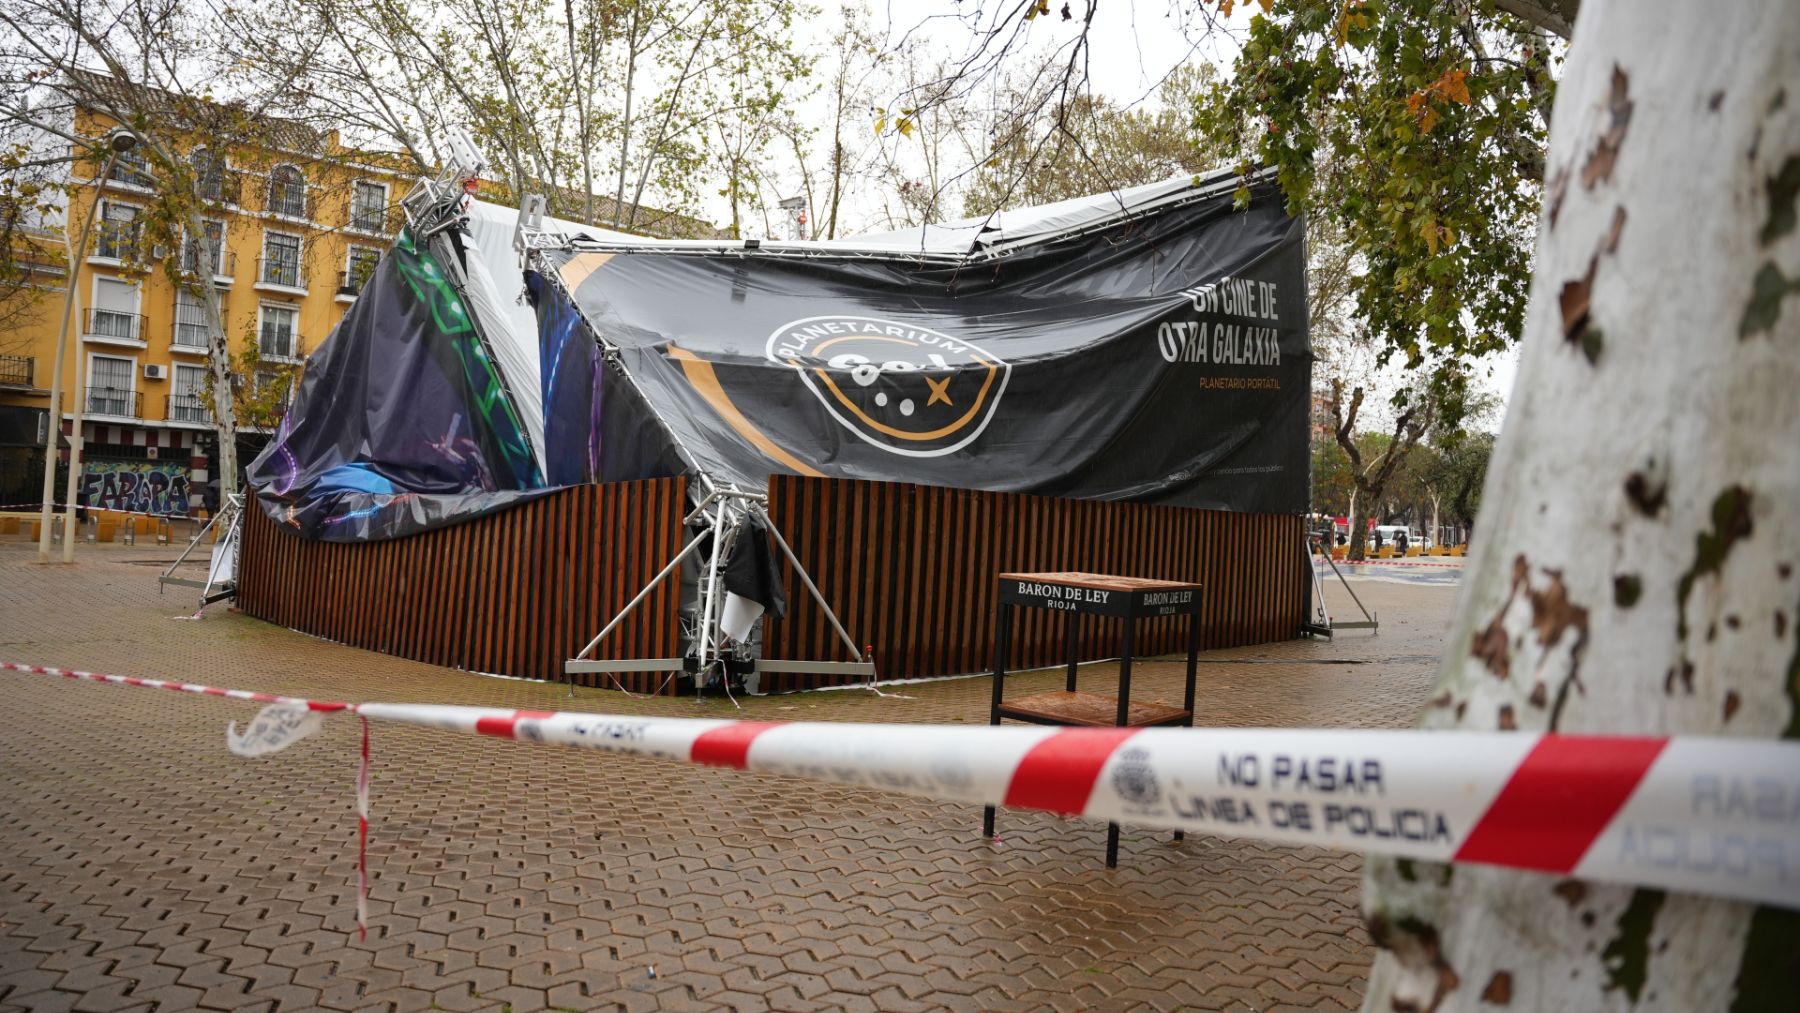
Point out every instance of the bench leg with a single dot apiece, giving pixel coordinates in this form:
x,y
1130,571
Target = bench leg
x,y
1112,845
1074,635
1193,663
1002,617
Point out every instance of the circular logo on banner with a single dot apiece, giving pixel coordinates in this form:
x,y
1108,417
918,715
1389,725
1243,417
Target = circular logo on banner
x,y
904,388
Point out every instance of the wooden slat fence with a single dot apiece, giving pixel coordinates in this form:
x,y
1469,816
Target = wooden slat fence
x,y
910,569
512,593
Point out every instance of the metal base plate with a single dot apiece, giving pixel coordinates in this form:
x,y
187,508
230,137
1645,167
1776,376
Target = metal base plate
x,y
865,669
579,666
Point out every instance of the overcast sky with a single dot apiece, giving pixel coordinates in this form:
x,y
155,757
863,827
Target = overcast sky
x,y
1132,45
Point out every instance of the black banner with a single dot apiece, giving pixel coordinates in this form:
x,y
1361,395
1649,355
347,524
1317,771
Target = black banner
x,y
1165,360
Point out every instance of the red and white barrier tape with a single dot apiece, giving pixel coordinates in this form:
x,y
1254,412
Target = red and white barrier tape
x,y
319,706
59,507
1703,815
1395,562
1407,562
1711,816
362,837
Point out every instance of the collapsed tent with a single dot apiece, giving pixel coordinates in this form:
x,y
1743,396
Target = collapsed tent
x,y
403,418
1161,357
1149,344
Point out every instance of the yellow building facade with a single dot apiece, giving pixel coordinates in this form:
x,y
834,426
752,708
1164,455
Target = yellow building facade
x,y
291,230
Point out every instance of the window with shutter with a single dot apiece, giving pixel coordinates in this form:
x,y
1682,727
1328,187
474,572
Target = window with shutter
x,y
209,250
278,332
116,232
187,394
115,312
190,321
110,385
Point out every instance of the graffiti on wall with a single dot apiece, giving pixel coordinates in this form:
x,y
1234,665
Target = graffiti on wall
x,y
154,487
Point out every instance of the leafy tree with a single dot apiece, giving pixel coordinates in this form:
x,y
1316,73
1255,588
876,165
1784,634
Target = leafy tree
x,y
1417,130
1371,473
1633,572
1447,465
260,391
597,104
758,92
161,70
923,153
1332,483
1464,465
32,261
854,57
1046,151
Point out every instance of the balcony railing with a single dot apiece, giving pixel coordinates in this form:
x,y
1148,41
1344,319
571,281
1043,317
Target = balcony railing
x,y
189,337
16,370
279,344
351,282
381,221
219,187
186,408
115,401
289,202
113,324
279,271
131,175
116,240
223,263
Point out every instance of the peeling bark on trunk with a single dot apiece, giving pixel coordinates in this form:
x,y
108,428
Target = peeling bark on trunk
x,y
1639,565
218,366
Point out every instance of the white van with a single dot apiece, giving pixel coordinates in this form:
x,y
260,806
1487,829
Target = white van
x,y
1390,535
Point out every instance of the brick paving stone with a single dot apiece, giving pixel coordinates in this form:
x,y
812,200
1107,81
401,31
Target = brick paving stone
x,y
48,1001
146,866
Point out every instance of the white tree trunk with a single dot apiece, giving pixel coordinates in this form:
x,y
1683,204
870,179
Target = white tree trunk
x,y
1639,566
218,365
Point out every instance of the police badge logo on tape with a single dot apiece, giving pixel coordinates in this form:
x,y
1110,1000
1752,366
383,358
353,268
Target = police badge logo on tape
x,y
907,389
1133,779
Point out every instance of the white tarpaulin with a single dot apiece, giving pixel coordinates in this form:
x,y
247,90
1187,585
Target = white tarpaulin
x,y
221,571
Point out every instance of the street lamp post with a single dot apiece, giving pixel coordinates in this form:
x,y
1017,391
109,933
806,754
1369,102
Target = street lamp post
x,y
119,143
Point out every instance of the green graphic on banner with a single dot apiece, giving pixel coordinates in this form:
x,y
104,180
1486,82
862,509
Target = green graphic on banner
x,y
432,288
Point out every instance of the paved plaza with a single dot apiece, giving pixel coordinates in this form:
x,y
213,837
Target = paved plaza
x,y
143,867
